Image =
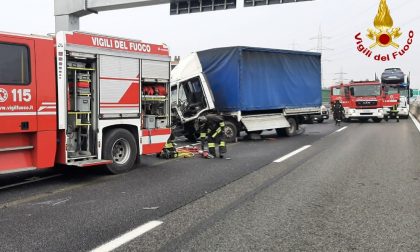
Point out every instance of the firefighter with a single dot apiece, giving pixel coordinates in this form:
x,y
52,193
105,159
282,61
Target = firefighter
x,y
393,113
169,151
338,111
212,129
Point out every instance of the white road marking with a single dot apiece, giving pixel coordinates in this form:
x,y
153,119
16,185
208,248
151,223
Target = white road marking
x,y
30,181
342,129
117,242
415,121
52,202
61,202
291,154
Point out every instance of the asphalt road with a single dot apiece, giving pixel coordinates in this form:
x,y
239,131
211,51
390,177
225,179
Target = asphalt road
x,y
357,189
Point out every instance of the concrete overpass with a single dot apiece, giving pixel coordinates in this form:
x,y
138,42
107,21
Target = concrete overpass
x,y
67,13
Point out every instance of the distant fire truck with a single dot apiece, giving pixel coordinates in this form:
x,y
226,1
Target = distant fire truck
x,y
81,99
393,80
363,100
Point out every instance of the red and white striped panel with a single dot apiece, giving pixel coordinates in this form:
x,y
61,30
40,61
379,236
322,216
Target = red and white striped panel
x,y
154,140
119,85
47,108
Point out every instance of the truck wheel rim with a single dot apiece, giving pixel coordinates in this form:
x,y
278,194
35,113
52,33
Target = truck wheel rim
x,y
121,151
228,132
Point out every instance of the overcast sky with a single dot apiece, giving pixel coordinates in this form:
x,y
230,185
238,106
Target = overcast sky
x,y
284,26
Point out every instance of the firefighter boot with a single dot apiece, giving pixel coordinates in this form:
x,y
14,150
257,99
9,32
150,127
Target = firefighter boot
x,y
203,138
222,149
212,149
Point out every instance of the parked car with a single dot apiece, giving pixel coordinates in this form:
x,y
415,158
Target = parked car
x,y
403,108
392,76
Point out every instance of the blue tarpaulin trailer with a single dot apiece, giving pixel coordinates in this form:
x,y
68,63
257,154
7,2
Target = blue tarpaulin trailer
x,y
249,79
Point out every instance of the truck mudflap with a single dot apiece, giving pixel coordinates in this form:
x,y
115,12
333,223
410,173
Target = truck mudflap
x,y
264,122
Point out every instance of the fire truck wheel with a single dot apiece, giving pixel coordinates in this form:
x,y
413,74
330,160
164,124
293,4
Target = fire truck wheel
x,y
120,147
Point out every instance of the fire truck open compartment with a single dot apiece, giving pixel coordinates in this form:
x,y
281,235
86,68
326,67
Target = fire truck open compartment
x,y
155,103
100,79
81,94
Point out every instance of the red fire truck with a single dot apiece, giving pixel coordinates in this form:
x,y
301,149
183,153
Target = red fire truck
x,y
81,99
363,100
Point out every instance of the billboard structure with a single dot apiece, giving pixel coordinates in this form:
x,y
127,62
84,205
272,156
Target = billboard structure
x,y
194,6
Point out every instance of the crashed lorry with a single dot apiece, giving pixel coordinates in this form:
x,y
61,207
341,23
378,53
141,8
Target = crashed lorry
x,y
254,89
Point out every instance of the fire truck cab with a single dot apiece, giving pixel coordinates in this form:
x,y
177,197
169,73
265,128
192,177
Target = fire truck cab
x,y
361,100
81,99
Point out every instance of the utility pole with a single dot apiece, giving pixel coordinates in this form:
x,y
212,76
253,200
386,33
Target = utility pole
x,y
341,76
293,45
320,42
320,49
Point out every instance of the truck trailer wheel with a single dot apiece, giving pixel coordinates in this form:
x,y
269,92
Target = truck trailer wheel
x,y
120,147
231,131
290,131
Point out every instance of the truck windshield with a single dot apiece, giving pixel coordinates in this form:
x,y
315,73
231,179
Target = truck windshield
x,y
390,90
191,97
336,91
368,90
405,92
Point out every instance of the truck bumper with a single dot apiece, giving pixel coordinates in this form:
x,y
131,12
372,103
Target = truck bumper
x,y
365,113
